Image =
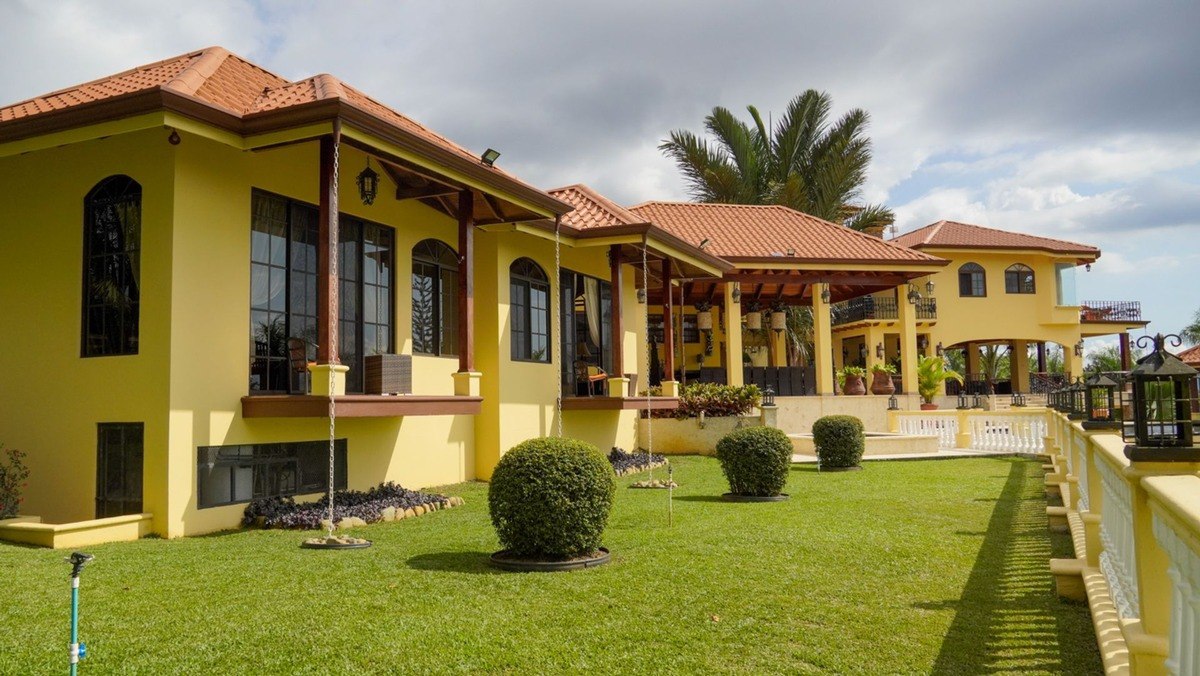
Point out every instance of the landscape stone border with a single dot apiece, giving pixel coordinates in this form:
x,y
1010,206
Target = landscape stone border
x,y
500,560
734,497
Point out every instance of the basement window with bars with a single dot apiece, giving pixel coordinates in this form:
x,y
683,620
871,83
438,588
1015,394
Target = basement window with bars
x,y
234,474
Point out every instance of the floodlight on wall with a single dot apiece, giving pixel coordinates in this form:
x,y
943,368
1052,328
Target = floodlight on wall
x,y
704,242
489,156
368,184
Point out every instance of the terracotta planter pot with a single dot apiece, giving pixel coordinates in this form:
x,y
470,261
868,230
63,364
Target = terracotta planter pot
x,y
928,407
854,386
881,383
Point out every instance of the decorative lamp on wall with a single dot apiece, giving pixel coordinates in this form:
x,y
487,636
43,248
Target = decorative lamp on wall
x,y
941,351
368,184
879,350
929,287
736,293
962,400
913,295
825,294
1101,398
1079,348
1162,428
1018,400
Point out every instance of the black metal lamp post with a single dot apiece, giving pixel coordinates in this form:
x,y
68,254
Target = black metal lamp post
x,y
768,396
893,403
1101,403
1162,425
1077,400
977,401
962,400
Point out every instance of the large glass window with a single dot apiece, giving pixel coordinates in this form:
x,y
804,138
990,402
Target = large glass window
x,y
1018,278
1065,272
283,292
118,469
434,298
586,307
232,474
529,305
971,280
112,244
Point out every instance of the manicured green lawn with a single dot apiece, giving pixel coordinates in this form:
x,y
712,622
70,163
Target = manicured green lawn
x,y
906,567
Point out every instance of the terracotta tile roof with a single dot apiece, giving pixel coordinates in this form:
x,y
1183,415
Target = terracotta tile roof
x,y
236,86
954,235
1191,356
593,210
740,231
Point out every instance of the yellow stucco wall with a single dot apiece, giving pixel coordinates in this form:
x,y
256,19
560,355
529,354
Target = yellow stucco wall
x,y
50,398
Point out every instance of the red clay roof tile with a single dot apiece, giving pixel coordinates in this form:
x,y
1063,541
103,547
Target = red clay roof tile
x,y
593,210
1191,356
741,231
955,235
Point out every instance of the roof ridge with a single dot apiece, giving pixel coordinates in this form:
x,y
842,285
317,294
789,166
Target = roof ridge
x,y
594,195
327,86
1010,232
193,77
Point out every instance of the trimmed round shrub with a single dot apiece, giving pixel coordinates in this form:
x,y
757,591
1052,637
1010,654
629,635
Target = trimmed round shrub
x,y
550,499
839,440
755,460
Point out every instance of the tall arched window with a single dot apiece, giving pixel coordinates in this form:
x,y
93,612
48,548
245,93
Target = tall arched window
x,y
434,298
971,281
530,311
112,242
1018,278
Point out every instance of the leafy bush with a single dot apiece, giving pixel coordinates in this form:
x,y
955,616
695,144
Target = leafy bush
x,y
755,460
883,368
624,463
13,474
839,440
550,498
285,512
715,401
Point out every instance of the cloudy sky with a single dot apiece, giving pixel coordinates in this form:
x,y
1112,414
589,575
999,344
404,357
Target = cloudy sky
x,y
1068,119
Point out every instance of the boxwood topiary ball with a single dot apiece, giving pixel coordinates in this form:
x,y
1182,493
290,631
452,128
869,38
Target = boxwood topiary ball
x,y
550,499
755,460
839,440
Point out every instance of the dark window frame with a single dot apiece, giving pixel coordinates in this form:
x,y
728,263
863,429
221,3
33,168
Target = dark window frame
x,y
115,192
972,281
1015,278
353,339
278,456
570,285
526,276
442,259
106,455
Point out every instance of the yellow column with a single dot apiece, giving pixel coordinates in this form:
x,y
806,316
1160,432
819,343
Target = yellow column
x,y
972,358
908,341
838,360
1019,366
779,346
731,316
822,341
1072,365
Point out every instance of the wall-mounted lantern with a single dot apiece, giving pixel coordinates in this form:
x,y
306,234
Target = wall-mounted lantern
x,y
736,293
825,294
879,350
913,294
962,400
368,184
929,287
1162,428
1079,348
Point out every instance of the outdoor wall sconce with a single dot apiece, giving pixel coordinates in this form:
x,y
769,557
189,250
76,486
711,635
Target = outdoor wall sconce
x,y
641,296
922,342
768,396
489,157
1101,403
737,293
1079,348
929,287
941,351
1162,428
862,351
825,295
368,184
1088,267
913,294
879,350
893,403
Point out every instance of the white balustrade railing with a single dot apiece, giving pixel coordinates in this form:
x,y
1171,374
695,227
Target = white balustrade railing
x,y
1118,560
944,427
1184,571
1081,471
1007,432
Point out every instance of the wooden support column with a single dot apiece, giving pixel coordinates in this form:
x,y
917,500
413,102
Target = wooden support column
x,y
1018,360
466,281
1126,357
327,235
1041,356
670,386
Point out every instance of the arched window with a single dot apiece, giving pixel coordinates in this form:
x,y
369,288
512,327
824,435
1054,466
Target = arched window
x,y
971,281
530,306
112,242
1018,278
434,298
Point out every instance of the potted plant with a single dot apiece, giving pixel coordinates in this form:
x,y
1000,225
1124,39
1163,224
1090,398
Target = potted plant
x,y
756,461
931,373
852,379
753,316
881,379
778,317
704,318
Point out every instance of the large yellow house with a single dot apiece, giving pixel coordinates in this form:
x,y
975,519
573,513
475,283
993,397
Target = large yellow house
x,y
200,255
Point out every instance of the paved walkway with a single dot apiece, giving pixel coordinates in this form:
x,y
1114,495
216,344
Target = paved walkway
x,y
940,455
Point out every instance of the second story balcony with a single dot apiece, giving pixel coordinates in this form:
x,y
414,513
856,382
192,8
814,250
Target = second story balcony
x,y
872,308
1110,311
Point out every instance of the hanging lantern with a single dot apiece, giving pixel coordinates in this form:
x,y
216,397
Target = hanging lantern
x,y
778,318
929,287
368,184
1162,425
704,318
941,351
754,318
1101,403
641,296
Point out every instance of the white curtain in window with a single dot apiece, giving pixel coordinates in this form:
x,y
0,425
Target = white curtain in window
x,y
591,305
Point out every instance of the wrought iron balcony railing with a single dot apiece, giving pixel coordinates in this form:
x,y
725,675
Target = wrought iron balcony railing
x,y
861,309
1110,311
927,308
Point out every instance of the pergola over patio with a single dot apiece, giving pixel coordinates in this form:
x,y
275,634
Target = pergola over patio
x,y
781,256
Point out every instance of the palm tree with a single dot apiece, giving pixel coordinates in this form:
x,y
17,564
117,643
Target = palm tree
x,y
803,163
1191,332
